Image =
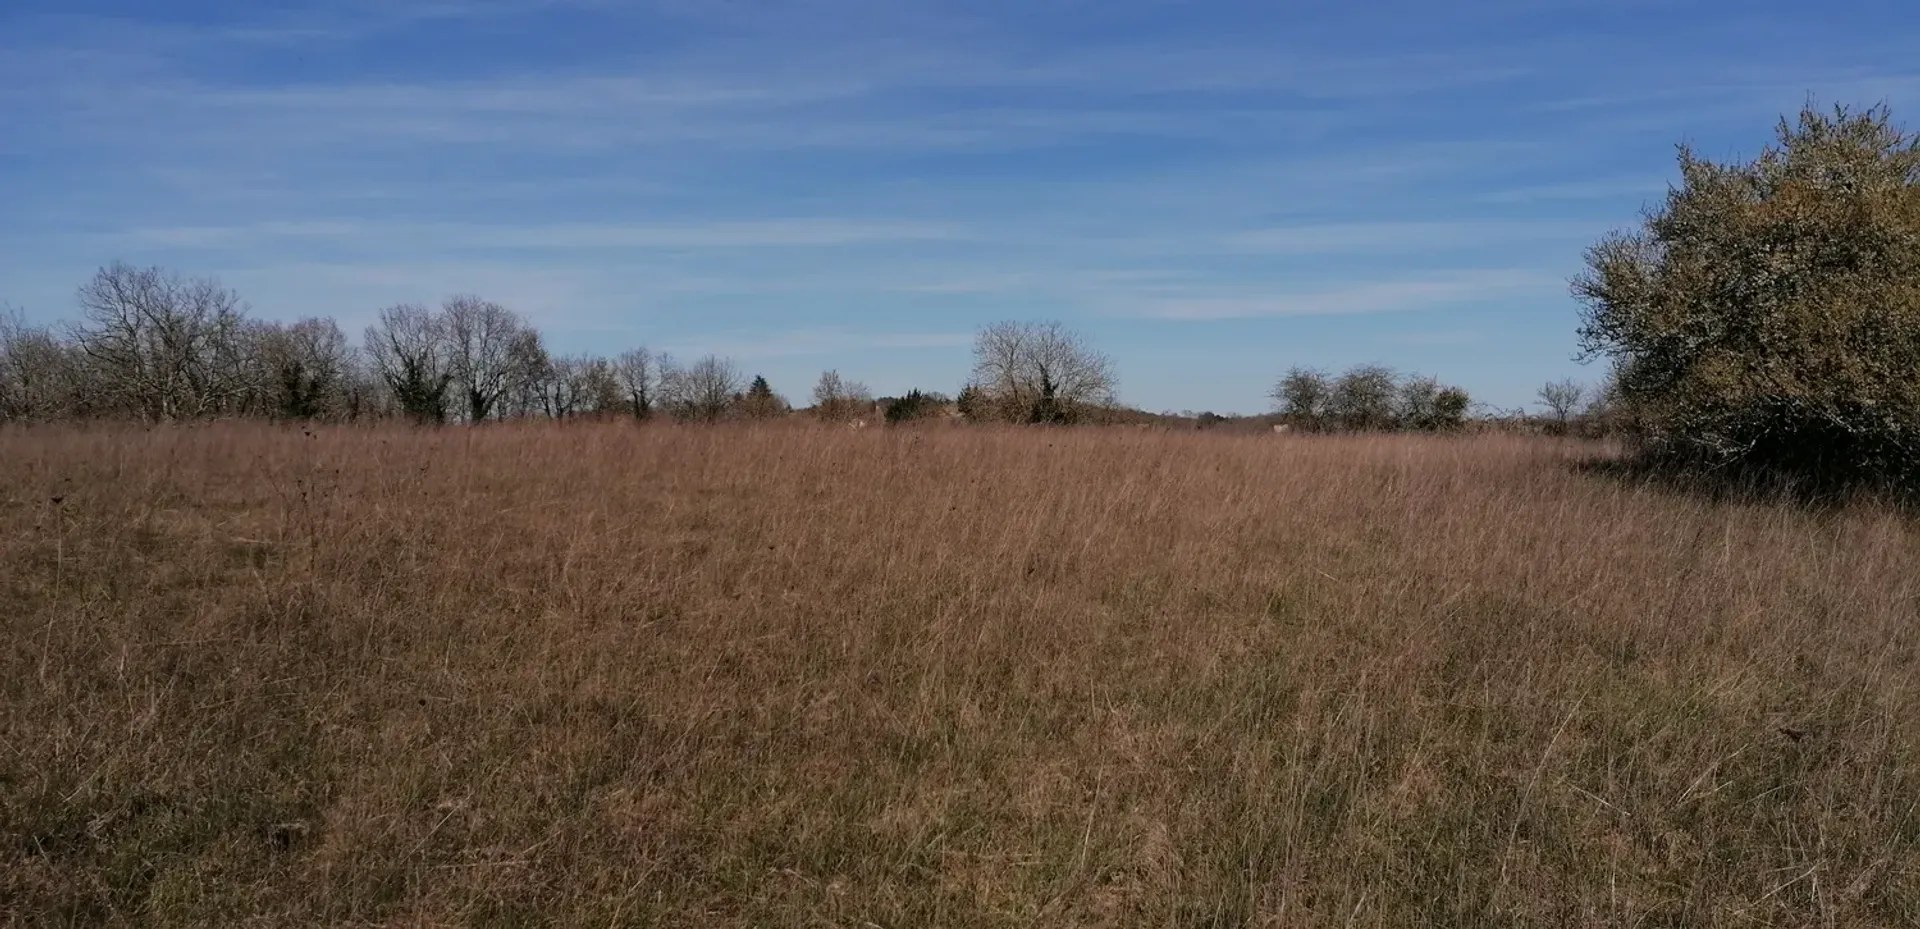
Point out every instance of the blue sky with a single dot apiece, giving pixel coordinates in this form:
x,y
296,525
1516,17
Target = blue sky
x,y
1209,191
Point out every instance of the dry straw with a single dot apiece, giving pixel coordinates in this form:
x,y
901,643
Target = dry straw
x,y
606,675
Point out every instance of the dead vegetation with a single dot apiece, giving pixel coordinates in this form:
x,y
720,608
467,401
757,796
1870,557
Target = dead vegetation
x,y
613,675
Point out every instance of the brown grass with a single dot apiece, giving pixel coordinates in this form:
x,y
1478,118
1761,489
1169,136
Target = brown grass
x,y
603,676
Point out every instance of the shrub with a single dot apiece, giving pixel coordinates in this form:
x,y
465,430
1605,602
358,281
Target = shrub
x,y
1768,314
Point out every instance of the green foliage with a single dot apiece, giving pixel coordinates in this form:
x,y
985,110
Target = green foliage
x,y
302,390
1050,409
1768,314
917,404
970,403
420,391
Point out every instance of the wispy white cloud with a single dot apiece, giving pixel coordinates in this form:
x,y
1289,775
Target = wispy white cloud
x,y
1374,297
1649,187
771,233
982,283
649,114
1391,236
354,292
263,25
800,342
811,83
1439,337
188,237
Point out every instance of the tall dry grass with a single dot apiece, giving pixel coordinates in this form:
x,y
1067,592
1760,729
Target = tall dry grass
x,y
606,676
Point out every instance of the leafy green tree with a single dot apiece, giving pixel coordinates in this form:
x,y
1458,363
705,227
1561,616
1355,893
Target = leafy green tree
x,y
1768,314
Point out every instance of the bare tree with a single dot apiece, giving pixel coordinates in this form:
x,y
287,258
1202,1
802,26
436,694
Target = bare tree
x,y
161,346
39,375
638,376
702,391
408,349
307,366
559,386
1605,413
363,394
578,385
1562,399
1040,372
530,365
481,337
838,400
600,390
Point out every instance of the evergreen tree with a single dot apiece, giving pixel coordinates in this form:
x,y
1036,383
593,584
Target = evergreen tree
x,y
760,402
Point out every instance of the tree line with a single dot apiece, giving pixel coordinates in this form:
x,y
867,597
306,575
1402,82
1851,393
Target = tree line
x,y
152,345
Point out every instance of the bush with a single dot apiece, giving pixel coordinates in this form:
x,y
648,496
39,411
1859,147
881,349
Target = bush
x,y
1768,315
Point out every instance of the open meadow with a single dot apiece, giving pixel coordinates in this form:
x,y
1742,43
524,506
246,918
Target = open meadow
x,y
610,675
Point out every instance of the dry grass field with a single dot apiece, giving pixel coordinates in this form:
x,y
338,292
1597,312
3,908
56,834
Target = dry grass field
x,y
618,676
